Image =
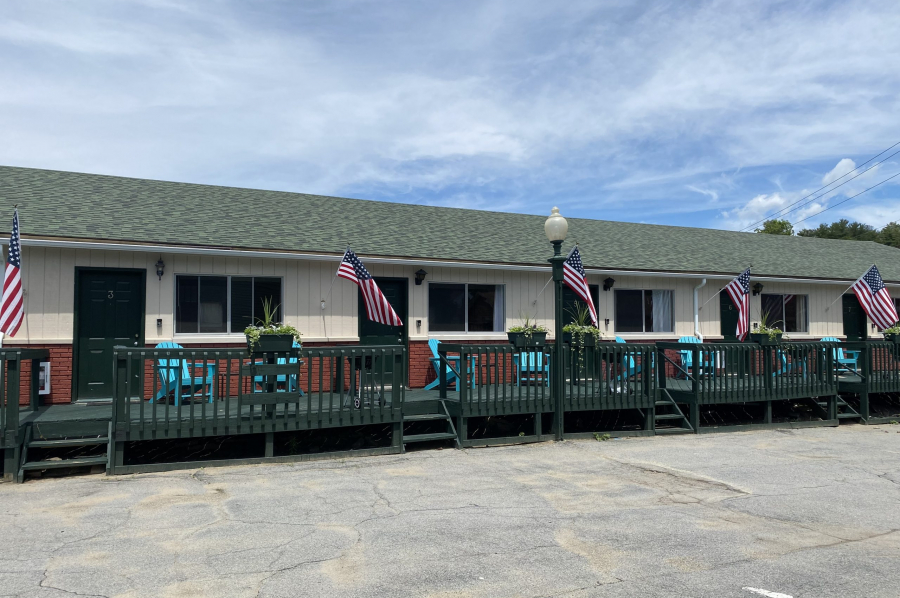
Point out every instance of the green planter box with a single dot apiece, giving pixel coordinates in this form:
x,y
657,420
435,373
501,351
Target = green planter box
x,y
764,340
589,340
272,343
518,339
893,338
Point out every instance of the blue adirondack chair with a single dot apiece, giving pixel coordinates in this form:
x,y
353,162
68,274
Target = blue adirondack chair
x,y
177,380
529,365
846,361
707,359
454,359
630,368
289,382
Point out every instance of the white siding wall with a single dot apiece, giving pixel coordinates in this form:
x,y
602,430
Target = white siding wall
x,y
49,279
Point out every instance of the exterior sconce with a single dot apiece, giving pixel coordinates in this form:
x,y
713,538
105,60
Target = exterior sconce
x,y
160,267
608,283
757,288
420,276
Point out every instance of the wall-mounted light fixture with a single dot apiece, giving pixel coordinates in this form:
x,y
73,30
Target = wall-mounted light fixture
x,y
607,322
608,283
322,304
757,288
160,267
420,276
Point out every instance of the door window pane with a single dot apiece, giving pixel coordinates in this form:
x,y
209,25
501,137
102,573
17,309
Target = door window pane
x,y
241,303
213,304
571,302
446,307
629,311
187,308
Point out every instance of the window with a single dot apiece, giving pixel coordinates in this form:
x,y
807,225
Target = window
x,y
571,301
644,311
787,312
210,304
466,307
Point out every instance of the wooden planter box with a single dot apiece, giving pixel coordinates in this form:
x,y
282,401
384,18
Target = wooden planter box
x,y
518,339
764,341
272,343
589,340
892,338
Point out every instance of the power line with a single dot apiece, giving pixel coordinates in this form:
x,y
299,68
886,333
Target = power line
x,y
782,212
846,200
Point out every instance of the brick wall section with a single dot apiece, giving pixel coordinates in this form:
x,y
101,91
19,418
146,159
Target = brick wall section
x,y
60,375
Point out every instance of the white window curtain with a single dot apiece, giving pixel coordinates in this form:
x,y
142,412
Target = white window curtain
x,y
801,313
662,311
499,311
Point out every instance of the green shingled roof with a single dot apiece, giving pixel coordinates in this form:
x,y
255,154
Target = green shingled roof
x,y
95,207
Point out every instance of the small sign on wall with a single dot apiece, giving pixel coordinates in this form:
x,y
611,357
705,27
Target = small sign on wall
x,y
44,378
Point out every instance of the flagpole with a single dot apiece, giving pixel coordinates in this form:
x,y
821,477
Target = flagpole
x,y
845,290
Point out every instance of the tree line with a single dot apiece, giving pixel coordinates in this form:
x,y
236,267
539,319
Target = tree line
x,y
842,229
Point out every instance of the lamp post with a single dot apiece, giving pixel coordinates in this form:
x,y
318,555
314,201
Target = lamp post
x,y
556,228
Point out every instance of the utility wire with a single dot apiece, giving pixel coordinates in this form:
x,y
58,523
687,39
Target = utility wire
x,y
782,212
846,200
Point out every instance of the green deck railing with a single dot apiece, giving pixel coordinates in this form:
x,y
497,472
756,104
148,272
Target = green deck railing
x,y
877,369
717,373
608,376
501,379
226,392
11,361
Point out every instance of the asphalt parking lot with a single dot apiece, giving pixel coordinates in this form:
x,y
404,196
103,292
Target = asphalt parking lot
x,y
811,513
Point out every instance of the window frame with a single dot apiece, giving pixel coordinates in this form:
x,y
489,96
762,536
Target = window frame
x,y
228,278
643,312
465,285
784,312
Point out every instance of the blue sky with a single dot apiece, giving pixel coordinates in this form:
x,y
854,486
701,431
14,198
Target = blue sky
x,y
706,114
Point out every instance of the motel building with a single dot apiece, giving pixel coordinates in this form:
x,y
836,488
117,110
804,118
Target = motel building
x,y
120,262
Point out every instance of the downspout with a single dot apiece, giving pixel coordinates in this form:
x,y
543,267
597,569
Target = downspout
x,y
697,288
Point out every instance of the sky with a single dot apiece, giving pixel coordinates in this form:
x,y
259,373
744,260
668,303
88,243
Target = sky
x,y
711,114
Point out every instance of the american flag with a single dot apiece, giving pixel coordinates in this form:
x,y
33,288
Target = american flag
x,y
739,291
377,306
876,299
13,309
575,277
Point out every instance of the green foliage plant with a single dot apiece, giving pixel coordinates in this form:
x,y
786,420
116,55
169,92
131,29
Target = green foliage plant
x,y
268,324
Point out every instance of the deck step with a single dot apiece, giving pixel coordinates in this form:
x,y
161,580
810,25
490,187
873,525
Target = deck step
x,y
673,431
80,462
67,442
849,415
429,437
425,417
660,416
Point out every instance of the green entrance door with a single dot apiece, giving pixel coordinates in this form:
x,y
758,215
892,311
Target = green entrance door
x,y
109,312
728,316
854,319
396,290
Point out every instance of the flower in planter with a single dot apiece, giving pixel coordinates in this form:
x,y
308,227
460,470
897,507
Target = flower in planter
x,y
267,325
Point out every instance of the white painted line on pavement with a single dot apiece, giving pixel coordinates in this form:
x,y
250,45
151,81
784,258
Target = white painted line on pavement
x,y
767,593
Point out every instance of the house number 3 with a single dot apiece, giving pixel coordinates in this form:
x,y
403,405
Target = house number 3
x,y
109,294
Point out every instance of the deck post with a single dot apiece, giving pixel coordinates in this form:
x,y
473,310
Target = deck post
x,y
767,412
34,388
270,444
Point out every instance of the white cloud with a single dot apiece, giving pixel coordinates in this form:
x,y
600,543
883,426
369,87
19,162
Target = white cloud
x,y
845,166
601,105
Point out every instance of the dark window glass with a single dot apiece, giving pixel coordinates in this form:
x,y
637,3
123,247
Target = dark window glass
x,y
266,289
773,310
447,307
481,307
186,304
241,303
648,311
629,311
571,301
213,304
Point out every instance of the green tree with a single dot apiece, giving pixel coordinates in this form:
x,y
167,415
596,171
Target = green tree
x,y
890,235
776,227
843,229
